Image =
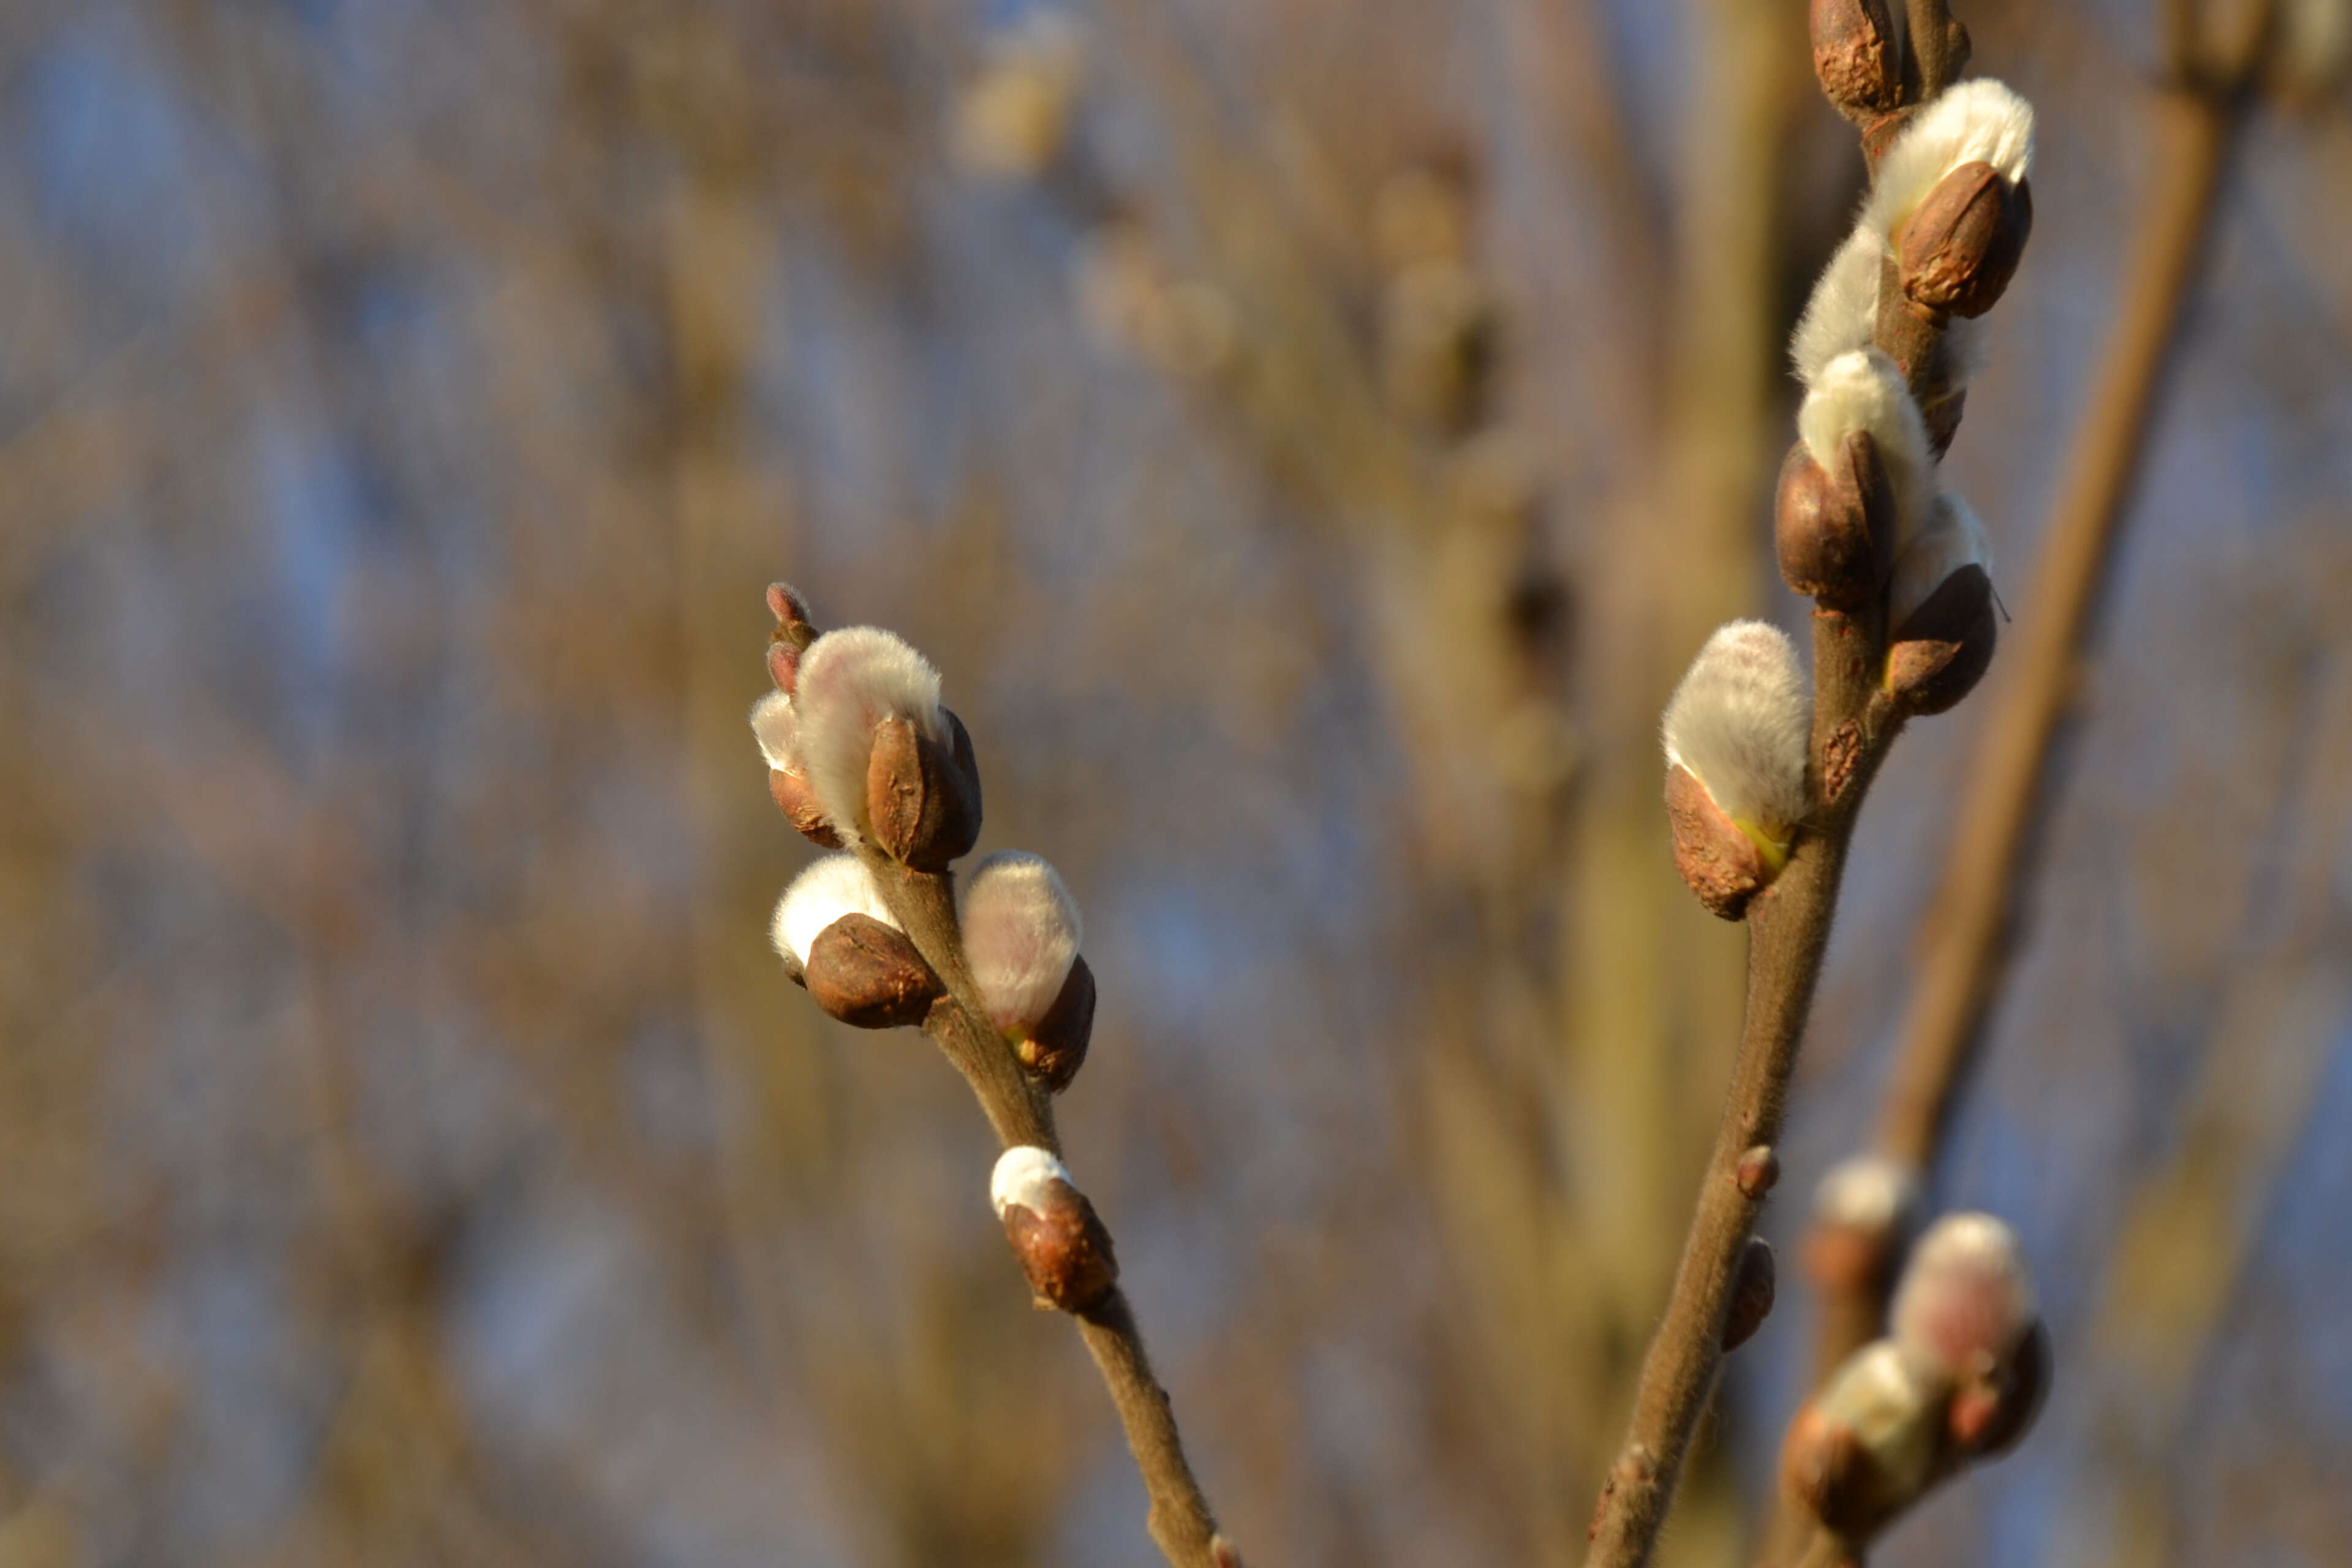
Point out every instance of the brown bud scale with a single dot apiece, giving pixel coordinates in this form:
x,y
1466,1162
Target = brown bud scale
x,y
1961,245
1833,528
869,975
922,797
1717,861
1064,1251
1056,1048
797,798
1854,55
1943,649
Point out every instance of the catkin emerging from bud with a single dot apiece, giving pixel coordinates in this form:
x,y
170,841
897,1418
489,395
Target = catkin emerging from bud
x,y
1063,1247
1953,539
1865,391
831,887
1975,121
1738,723
850,682
1940,610
776,726
1021,934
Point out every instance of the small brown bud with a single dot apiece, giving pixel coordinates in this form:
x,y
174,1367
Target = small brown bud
x,y
1942,648
869,975
1758,1171
1752,1290
1722,865
797,798
1063,1247
1056,1048
1855,57
1223,1553
1960,247
794,625
922,797
1834,528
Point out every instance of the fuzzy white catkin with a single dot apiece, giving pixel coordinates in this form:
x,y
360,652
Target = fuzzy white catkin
x,y
1021,1175
850,680
1965,1292
1738,722
1975,121
1021,934
776,725
1843,313
835,886
1952,539
1864,391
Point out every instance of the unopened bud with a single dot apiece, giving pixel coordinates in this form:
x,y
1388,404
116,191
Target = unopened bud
x,y
1737,728
1056,1048
1752,1290
1835,526
868,974
1940,605
1960,247
1974,121
1966,1301
795,624
1063,1247
923,793
1855,57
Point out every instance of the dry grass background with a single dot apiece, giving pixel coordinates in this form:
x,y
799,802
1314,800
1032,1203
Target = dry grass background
x,y
409,1149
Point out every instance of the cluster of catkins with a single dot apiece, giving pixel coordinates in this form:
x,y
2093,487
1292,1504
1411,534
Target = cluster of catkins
x,y
865,761
1958,1377
1861,524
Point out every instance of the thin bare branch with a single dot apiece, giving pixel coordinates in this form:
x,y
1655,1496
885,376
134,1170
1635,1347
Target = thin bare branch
x,y
1021,1111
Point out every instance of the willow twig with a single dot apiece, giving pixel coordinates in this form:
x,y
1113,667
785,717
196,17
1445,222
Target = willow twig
x,y
1789,927
1021,1111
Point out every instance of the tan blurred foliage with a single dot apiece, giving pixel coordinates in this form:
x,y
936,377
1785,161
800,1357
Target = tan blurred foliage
x,y
1310,438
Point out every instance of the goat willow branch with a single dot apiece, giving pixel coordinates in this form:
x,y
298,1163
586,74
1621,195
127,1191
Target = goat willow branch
x,y
862,755
1903,626
2198,113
